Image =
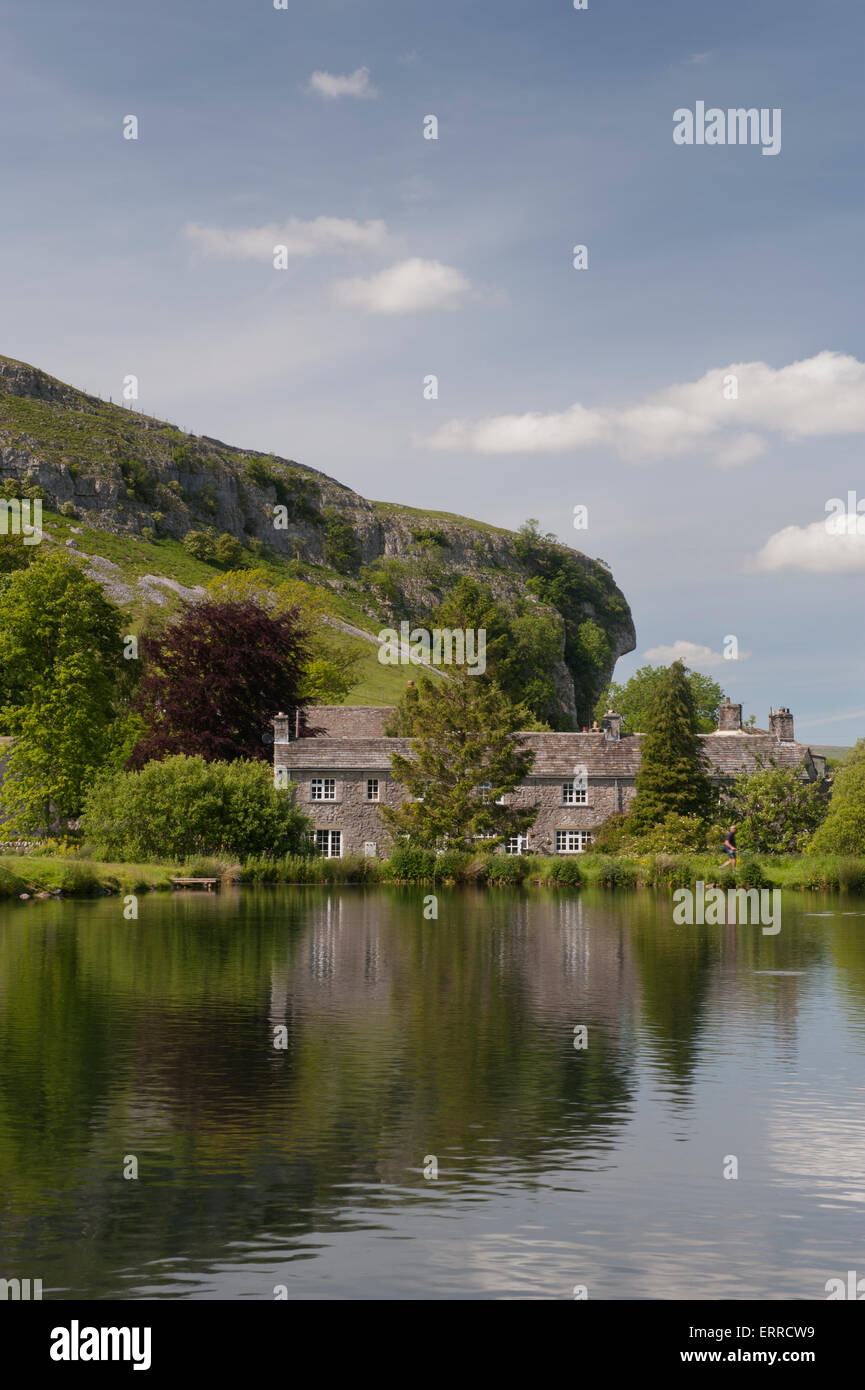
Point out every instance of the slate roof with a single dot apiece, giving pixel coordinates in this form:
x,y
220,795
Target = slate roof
x,y
556,754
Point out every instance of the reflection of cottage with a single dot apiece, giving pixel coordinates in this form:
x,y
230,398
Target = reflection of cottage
x,y
339,759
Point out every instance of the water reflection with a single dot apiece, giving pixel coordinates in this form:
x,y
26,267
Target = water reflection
x,y
401,1038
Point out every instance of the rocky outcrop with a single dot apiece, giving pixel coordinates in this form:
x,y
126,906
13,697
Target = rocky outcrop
x,y
124,472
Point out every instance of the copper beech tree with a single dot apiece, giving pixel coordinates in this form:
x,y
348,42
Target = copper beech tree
x,y
213,680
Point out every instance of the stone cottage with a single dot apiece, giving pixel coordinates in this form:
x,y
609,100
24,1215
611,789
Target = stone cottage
x,y
338,757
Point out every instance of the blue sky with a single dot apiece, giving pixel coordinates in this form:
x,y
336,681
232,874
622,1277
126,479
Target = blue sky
x,y
453,257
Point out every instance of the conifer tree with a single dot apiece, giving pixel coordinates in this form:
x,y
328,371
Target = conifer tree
x,y
672,775
463,759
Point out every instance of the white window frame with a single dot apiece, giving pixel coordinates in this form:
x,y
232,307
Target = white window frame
x,y
369,782
573,794
323,783
521,841
328,843
572,841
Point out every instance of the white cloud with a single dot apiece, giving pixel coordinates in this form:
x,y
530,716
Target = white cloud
x,y
692,654
405,288
823,395
316,237
332,85
816,550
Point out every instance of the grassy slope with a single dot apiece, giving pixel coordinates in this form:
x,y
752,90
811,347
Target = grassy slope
x,y
376,685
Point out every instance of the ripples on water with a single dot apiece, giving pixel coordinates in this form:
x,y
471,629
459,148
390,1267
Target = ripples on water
x,y
304,1166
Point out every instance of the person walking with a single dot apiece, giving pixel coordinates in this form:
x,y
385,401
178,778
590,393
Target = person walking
x,y
730,847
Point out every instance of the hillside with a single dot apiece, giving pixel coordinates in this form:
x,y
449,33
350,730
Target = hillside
x,y
124,489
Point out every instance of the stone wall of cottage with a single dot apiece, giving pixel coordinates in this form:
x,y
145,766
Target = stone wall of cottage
x,y
360,823
350,812
605,797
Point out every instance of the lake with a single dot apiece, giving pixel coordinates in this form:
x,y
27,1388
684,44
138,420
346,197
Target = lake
x,y
328,1096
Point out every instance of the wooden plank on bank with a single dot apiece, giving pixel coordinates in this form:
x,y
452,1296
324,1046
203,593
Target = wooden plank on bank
x,y
208,884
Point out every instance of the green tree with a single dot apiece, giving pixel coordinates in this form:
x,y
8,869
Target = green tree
x,y
775,811
522,646
672,776
583,592
61,653
228,551
843,830
201,545
14,554
185,806
341,550
633,700
463,759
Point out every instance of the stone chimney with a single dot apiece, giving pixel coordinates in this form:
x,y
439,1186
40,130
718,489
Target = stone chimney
x,y
612,726
729,718
282,728
781,725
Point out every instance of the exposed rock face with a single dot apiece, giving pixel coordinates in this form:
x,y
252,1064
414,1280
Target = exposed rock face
x,y
123,472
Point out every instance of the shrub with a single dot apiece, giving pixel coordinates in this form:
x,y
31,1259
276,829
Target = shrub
x,y
452,864
607,839
80,879
565,873
676,834
200,545
228,551
140,482
185,806
207,499
748,873
68,509
410,865
147,533
204,868
341,550
616,873
851,875
506,869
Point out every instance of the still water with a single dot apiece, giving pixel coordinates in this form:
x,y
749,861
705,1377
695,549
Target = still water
x,y
412,1044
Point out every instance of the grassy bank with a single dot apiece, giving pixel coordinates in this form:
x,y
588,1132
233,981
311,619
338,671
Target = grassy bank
x,y
68,875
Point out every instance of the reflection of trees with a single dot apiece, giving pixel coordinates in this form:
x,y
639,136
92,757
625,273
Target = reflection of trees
x,y
154,1037
406,1037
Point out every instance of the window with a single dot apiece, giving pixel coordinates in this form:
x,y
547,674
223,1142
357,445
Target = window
x,y
328,843
372,789
323,789
516,844
572,841
485,788
574,793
